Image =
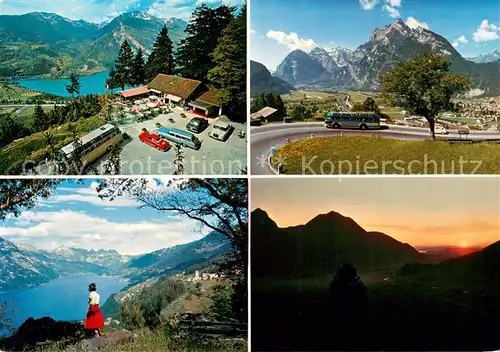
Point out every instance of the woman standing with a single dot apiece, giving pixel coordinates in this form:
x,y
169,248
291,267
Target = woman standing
x,y
94,320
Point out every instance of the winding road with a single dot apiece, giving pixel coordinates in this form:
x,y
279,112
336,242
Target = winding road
x,y
263,138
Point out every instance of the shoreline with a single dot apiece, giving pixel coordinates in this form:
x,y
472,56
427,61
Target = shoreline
x,y
121,278
47,76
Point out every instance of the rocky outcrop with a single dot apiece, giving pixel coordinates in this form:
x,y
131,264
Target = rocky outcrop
x,y
112,338
38,332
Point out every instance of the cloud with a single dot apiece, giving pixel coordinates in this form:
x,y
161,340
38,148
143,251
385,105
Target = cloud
x,y
460,40
394,3
92,11
166,9
463,228
413,23
88,195
368,4
46,230
392,11
292,40
486,32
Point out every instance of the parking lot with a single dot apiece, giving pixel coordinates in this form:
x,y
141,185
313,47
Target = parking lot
x,y
213,157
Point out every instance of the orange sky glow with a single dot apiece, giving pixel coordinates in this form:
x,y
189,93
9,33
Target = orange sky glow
x,y
421,211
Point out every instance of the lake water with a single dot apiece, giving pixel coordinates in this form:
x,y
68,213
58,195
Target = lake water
x,y
93,84
61,299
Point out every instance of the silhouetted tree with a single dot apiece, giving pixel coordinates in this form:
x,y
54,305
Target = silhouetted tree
x,y
349,306
347,287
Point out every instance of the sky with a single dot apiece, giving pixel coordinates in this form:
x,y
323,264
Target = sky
x,y
101,10
280,26
421,211
74,216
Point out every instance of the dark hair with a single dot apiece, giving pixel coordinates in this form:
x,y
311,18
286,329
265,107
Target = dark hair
x,y
92,287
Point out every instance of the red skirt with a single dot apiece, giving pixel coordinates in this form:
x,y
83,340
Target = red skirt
x,y
94,319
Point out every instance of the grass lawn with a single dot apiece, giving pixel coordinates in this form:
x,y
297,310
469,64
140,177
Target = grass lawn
x,y
373,155
33,147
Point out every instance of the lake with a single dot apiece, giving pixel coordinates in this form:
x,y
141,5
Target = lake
x,y
61,299
93,84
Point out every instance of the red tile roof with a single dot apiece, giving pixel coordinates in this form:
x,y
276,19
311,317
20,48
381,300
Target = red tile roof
x,y
134,92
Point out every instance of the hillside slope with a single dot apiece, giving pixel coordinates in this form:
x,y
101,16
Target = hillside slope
x,y
261,80
320,246
49,44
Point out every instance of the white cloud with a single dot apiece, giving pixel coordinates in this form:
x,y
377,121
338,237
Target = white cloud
x,y
486,32
199,2
93,11
44,229
368,4
394,3
413,23
166,9
392,11
292,40
460,40
89,195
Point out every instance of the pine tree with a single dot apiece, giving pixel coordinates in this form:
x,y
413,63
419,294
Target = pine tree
x,y
348,292
111,81
39,118
205,27
230,71
161,59
74,85
139,74
124,66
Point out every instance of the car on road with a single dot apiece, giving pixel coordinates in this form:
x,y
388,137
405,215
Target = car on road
x,y
197,124
179,136
154,140
221,130
440,130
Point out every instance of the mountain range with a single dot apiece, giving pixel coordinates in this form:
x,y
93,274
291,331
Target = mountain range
x,y
480,269
261,80
320,246
360,69
40,43
24,266
485,58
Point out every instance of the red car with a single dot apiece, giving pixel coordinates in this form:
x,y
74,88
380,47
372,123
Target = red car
x,y
154,140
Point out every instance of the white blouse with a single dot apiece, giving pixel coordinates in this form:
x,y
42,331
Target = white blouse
x,y
94,298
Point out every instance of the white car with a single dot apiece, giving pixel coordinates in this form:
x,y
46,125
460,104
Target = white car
x,y
440,130
221,130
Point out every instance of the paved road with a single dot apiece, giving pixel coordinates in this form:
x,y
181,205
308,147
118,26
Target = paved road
x,y
23,105
265,137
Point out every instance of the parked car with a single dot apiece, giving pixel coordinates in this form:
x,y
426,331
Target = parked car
x,y
440,130
154,140
179,136
197,124
221,130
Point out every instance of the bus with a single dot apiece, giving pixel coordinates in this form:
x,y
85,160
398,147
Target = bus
x,y
95,144
361,120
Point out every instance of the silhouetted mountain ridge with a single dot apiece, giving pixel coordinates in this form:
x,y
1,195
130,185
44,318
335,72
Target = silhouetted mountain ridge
x,y
321,245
